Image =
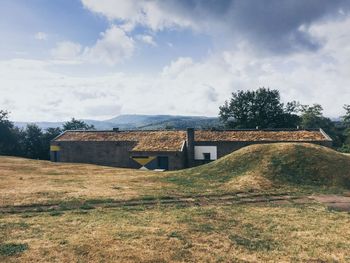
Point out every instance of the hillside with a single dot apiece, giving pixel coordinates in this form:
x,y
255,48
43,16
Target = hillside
x,y
265,166
143,122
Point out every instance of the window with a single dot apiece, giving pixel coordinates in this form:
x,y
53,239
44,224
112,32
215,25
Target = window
x,y
206,156
204,150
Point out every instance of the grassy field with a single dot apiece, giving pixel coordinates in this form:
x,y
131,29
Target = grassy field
x,y
77,229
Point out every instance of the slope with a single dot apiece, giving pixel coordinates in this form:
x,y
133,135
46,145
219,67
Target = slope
x,y
265,166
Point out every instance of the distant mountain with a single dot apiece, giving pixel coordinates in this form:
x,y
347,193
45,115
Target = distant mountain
x,y
43,125
143,122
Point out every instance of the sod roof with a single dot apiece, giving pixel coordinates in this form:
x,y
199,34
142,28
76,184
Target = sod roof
x,y
260,135
145,140
173,140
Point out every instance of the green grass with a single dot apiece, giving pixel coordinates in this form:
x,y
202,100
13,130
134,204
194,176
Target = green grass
x,y
314,166
10,249
270,166
56,213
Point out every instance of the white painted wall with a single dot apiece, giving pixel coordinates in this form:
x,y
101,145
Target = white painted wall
x,y
199,150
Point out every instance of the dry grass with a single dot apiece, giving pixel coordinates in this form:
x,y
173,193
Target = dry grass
x,y
144,140
25,181
279,232
284,233
260,135
257,167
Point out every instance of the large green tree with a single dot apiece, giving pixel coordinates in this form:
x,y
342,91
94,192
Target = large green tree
x,y
33,142
346,117
346,126
260,108
9,135
312,118
75,124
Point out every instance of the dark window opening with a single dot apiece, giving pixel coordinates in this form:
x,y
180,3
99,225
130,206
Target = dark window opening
x,y
163,162
206,156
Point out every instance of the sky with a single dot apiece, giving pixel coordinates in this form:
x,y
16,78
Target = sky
x,y
96,59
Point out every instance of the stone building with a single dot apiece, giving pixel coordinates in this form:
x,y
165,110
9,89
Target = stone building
x,y
167,149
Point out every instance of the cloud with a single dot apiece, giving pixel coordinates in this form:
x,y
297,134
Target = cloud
x,y
276,26
113,47
185,85
41,36
147,39
66,50
133,12
176,67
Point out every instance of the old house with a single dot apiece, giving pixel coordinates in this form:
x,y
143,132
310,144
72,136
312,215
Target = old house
x,y
167,149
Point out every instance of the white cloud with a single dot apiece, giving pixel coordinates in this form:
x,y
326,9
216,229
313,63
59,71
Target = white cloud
x,y
41,36
66,50
147,39
178,66
184,86
132,12
113,47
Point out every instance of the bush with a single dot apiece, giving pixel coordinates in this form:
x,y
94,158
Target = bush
x,y
345,148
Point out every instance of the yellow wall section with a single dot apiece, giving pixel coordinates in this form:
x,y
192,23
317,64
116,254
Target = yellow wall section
x,y
143,160
54,148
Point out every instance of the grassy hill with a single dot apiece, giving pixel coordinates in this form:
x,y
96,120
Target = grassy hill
x,y
266,166
89,213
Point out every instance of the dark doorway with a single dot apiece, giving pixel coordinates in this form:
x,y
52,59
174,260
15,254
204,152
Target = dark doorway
x,y
163,162
55,156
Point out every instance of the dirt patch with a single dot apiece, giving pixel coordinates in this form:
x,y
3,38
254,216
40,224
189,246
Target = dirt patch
x,y
334,202
193,200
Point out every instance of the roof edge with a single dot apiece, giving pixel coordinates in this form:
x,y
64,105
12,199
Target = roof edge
x,y
219,130
58,136
326,135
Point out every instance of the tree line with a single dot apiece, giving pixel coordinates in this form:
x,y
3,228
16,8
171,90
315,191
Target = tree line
x,y
261,108
32,142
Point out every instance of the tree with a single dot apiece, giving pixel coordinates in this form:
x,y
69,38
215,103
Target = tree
x,y
262,108
33,142
312,117
346,117
8,135
346,125
74,124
